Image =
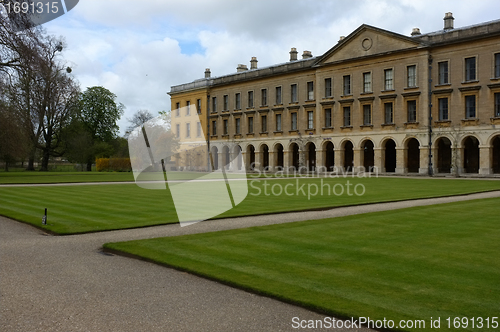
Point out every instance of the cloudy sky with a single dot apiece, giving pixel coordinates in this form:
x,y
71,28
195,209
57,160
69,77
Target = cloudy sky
x,y
139,49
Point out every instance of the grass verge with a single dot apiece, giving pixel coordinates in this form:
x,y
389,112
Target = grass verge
x,y
90,208
435,261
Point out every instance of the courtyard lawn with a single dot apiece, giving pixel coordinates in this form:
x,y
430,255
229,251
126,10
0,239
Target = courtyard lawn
x,y
410,264
63,177
88,208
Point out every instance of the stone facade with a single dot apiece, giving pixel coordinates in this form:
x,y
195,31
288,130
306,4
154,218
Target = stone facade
x,y
364,103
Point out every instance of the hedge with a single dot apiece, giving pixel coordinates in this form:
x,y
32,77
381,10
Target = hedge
x,y
113,165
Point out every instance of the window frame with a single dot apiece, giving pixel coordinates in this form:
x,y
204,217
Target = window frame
x,y
310,119
225,127
214,127
496,65
367,85
468,71
389,82
198,129
444,109
263,123
198,106
496,97
347,120
444,75
188,108
214,104
294,97
346,85
177,109
237,126
263,97
237,101
279,126
293,121
250,99
411,78
391,104
328,117
310,91
328,87
367,108
279,95
225,102
178,130
411,112
188,130
470,107
250,125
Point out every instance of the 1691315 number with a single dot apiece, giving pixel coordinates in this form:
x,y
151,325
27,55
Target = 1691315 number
x,y
31,7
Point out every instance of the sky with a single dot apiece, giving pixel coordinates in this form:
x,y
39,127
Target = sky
x,y
139,49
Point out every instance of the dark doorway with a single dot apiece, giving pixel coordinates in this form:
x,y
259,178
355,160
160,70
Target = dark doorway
x,y
215,158
413,155
329,156
496,155
311,154
295,156
265,156
279,155
348,156
390,156
368,156
251,156
444,155
471,155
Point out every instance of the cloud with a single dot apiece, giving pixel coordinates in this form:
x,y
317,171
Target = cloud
x,y
138,50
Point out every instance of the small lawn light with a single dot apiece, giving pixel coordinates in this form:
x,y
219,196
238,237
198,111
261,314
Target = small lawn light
x,y
44,218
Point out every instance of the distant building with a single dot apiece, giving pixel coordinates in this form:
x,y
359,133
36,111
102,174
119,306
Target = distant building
x,y
365,102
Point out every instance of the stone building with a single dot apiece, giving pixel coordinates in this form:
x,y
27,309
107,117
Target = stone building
x,y
425,103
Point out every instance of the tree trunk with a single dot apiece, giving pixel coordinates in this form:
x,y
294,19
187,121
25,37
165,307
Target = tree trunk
x,y
89,166
45,160
31,160
6,166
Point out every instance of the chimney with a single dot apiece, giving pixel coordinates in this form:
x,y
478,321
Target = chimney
x,y
241,68
415,32
253,63
293,54
207,73
448,21
307,55
341,38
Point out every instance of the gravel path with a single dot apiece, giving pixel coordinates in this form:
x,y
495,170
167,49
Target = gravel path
x,y
50,283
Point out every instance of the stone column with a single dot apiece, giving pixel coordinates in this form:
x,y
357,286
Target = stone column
x,y
400,160
357,159
378,162
220,159
272,161
485,159
424,160
320,161
258,160
460,160
286,160
339,159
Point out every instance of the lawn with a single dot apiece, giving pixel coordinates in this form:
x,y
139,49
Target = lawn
x,y
63,177
87,208
410,264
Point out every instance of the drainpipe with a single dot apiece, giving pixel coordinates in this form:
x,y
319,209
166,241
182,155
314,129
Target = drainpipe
x,y
431,172
209,164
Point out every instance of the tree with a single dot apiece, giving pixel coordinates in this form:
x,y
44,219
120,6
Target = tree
x,y
99,114
138,119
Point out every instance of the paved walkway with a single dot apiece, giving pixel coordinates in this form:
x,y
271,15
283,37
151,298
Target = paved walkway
x,y
50,283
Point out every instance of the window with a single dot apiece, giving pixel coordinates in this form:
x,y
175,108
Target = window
x,y
250,125
367,82
188,108
328,87
328,117
347,85
214,127
470,107
198,106
237,101
226,127
263,94
226,102
310,90
411,76
367,115
443,72
388,110
278,122
178,130
177,109
470,69
310,120
250,99
497,65
443,109
188,130
411,106
497,105
278,96
264,123
293,93
388,79
347,116
294,121
198,129
214,104
238,126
